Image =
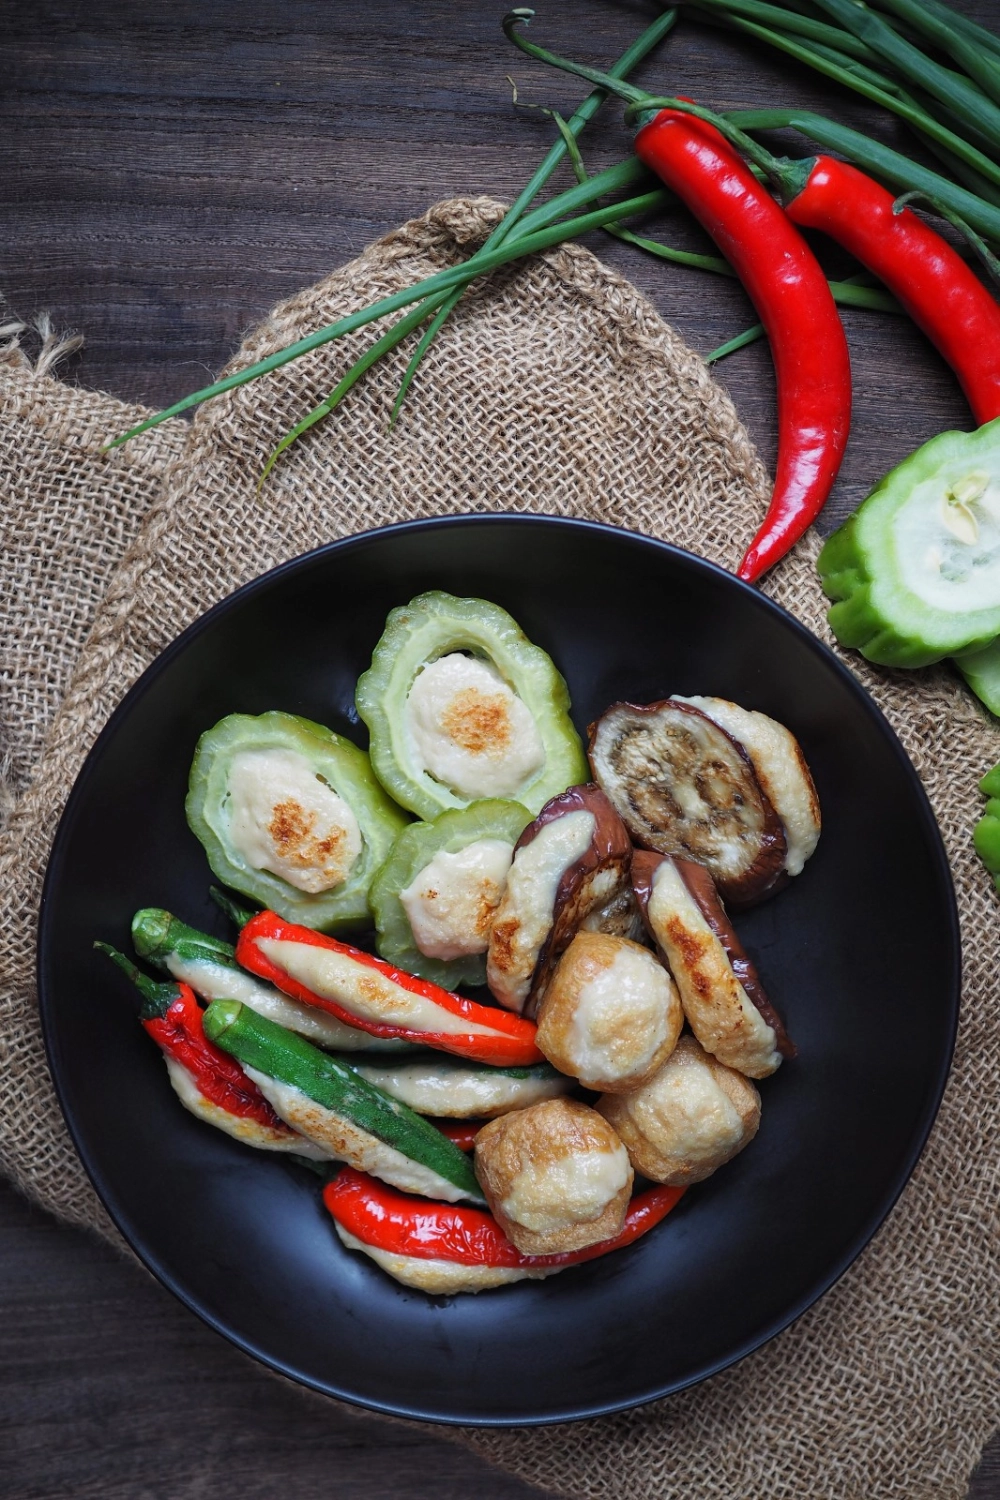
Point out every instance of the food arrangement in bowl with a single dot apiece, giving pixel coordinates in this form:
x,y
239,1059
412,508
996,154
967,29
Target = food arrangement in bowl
x,y
613,1059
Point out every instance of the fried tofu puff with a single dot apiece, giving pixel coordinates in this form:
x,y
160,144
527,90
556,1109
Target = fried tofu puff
x,y
556,1176
781,769
723,998
611,1014
692,1117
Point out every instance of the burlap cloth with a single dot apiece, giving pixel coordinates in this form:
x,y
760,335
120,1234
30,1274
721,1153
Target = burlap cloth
x,y
556,389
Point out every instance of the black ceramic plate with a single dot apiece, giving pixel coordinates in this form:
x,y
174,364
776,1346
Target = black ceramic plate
x,y
860,954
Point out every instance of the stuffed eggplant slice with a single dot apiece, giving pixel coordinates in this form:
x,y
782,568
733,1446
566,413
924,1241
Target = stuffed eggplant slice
x,y
328,1102
291,815
556,1176
720,990
442,1248
683,786
686,1121
781,769
570,870
445,1087
435,897
209,966
611,1014
461,706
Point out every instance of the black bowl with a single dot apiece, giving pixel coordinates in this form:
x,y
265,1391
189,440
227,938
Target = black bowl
x,y
860,954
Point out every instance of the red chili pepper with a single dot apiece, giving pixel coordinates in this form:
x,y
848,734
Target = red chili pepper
x,y
171,1015
512,1039
790,292
387,1220
219,1077
939,291
462,1132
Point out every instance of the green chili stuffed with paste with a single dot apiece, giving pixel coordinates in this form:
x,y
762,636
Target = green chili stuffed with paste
x,y
434,898
915,572
291,815
461,706
986,836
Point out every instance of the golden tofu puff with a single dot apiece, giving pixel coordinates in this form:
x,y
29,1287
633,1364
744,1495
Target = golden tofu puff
x,y
461,706
435,897
555,1175
570,870
689,1119
291,815
611,1014
781,769
720,990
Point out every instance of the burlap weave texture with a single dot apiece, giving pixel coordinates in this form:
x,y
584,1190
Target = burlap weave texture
x,y
556,388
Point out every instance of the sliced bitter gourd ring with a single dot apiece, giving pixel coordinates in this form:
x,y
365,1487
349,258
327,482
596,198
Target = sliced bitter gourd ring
x,y
290,814
461,706
915,572
433,900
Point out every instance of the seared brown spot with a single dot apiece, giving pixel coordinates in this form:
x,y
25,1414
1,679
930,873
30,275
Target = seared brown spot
x,y
692,948
291,830
478,722
488,900
502,940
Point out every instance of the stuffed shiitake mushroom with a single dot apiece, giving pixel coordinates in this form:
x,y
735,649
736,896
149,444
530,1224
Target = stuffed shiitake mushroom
x,y
570,870
611,1014
461,706
689,1119
556,1176
721,992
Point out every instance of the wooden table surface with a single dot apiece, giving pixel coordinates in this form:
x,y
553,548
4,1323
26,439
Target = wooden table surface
x,y
168,174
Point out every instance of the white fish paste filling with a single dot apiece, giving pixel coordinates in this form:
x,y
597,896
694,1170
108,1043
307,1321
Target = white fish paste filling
x,y
344,1141
470,731
451,902
250,1132
524,916
283,819
363,990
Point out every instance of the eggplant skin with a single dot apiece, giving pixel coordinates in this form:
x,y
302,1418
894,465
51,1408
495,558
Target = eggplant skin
x,y
683,786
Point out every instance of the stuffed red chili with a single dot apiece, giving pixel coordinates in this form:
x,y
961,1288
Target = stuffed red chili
x,y
380,999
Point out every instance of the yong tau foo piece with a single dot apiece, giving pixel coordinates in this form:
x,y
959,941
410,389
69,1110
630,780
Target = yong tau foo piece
x,y
721,992
781,769
611,1014
689,1119
435,897
570,869
290,814
685,787
461,706
556,1176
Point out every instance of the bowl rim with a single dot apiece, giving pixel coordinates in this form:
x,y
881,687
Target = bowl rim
x,y
148,1256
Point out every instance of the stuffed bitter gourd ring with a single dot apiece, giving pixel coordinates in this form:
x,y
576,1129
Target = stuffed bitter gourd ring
x,y
290,814
915,572
461,706
433,900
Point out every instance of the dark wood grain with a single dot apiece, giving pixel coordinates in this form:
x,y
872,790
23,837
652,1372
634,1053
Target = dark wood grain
x,y
168,174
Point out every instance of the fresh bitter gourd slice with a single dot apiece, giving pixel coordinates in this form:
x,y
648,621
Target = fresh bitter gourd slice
x,y
915,572
291,815
461,706
434,898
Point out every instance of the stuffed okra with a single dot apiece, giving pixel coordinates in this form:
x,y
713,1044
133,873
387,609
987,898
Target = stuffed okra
x,y
328,1102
